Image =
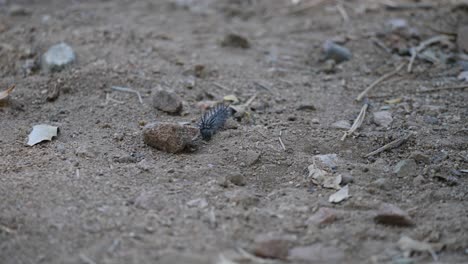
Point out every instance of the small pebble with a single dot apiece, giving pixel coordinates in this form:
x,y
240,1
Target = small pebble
x,y
169,137
167,101
342,125
382,118
406,168
274,249
335,52
57,58
389,214
235,41
322,216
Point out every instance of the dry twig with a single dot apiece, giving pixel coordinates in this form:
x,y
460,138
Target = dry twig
x,y
281,141
460,87
358,122
128,90
391,145
423,45
342,12
379,80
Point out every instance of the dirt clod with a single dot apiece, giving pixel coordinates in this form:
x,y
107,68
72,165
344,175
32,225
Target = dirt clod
x,y
169,137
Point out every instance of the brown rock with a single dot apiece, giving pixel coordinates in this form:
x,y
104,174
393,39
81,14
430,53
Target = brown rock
x,y
169,137
235,41
389,214
322,216
274,248
167,101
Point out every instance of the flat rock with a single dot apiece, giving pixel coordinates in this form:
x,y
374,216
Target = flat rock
x,y
57,58
327,160
17,10
406,168
169,137
167,101
274,248
341,124
322,216
389,214
382,118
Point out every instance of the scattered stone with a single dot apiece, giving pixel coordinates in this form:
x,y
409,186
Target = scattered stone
x,y
340,195
57,58
317,253
144,165
462,38
396,24
419,180
274,249
329,67
342,125
306,107
126,159
17,10
322,217
237,179
335,52
315,121
431,120
231,124
406,168
382,184
250,157
346,179
420,157
235,41
242,198
327,160
389,214
167,101
292,118
450,180
169,137
382,118
199,203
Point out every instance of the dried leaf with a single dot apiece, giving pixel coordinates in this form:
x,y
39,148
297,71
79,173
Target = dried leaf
x,y
5,94
340,195
231,98
394,101
41,133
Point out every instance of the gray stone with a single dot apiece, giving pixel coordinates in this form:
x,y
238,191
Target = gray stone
x,y
167,101
273,248
57,58
250,157
17,10
335,52
342,125
389,214
327,160
322,217
169,137
406,168
382,118
420,157
237,179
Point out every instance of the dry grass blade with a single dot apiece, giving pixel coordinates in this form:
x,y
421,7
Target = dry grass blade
x,y
6,93
379,80
357,123
391,145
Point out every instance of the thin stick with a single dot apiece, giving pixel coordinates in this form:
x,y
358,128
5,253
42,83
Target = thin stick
x,y
379,80
221,86
357,123
281,143
342,12
423,45
7,229
391,145
461,87
128,90
86,260
263,86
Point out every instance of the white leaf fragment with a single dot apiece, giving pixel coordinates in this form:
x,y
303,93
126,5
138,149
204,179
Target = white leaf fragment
x,y
41,133
340,195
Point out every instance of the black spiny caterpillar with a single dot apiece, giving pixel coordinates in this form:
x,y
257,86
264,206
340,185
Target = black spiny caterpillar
x,y
213,120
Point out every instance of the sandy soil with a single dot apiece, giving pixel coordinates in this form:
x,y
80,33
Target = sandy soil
x,y
98,194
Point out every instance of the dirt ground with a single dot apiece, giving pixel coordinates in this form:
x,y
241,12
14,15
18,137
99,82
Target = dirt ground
x,y
98,194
